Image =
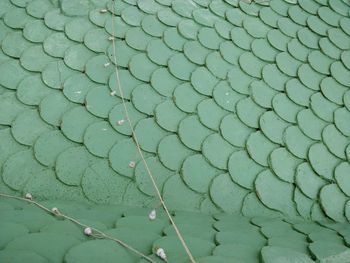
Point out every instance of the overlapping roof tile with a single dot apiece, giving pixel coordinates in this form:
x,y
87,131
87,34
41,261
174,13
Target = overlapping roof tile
x,y
239,107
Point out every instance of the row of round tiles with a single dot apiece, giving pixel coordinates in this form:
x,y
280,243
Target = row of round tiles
x,y
62,19
295,202
290,134
345,80
279,7
46,183
293,164
163,73
272,155
57,51
317,100
39,8
49,159
148,6
276,136
297,116
293,47
235,55
45,102
214,59
59,18
100,59
191,178
205,251
29,136
49,227
312,7
250,201
303,118
220,224
52,96
259,230
214,191
198,58
172,125
75,100
218,197
92,34
270,15
314,137
219,7
288,67
200,10
251,25
83,120
93,190
242,118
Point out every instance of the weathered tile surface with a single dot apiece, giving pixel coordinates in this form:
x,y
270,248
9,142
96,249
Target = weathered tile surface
x,y
239,107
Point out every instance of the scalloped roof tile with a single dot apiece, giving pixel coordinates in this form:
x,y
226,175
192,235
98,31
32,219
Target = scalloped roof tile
x,y
240,107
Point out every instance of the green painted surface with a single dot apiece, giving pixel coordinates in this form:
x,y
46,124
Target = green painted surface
x,y
239,108
29,233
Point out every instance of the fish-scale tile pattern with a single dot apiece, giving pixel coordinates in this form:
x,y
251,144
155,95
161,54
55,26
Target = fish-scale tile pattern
x,y
229,101
39,237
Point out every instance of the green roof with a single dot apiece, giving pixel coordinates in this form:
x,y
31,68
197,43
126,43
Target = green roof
x,y
241,110
29,234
